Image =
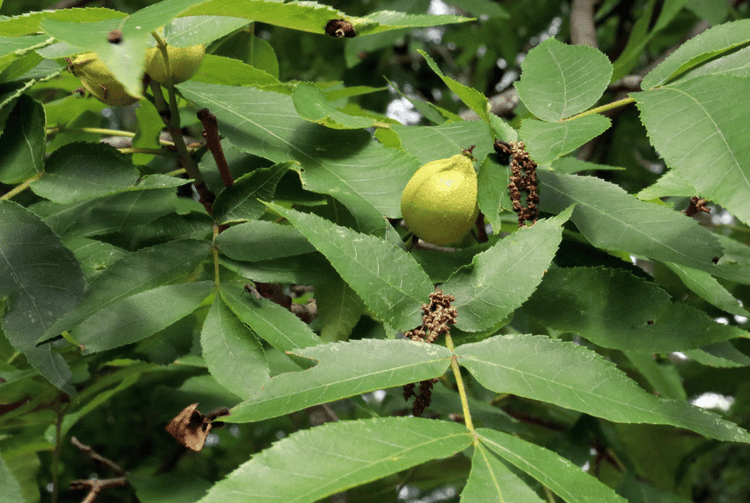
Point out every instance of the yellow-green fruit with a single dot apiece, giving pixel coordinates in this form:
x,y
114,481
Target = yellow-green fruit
x,y
184,61
439,204
99,81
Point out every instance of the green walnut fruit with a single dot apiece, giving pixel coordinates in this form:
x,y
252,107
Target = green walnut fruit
x,y
439,204
184,61
99,81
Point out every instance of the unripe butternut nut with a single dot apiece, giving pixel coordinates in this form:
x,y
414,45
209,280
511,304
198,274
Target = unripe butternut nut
x,y
184,62
439,204
99,81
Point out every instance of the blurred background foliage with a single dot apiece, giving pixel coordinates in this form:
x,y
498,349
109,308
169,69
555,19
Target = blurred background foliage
x,y
485,54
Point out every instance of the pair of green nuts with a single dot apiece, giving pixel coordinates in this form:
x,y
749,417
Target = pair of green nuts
x,y
99,81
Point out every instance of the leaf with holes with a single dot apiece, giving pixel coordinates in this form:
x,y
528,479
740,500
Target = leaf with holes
x,y
344,369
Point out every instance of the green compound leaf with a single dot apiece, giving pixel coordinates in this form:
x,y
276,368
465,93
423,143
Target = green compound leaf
x,y
106,215
193,30
262,240
233,72
138,316
612,219
428,143
344,369
571,165
232,352
311,104
171,487
81,171
393,20
491,480
493,195
387,279
349,165
502,278
709,44
560,80
126,60
140,271
313,17
10,484
653,18
241,201
546,141
471,97
732,63
42,281
564,478
571,376
32,21
336,456
22,144
670,184
701,131
339,309
616,309
299,269
479,7
721,355
18,45
663,379
709,289
271,322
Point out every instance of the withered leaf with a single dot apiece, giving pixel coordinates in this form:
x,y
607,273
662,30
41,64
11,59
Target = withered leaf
x,y
191,428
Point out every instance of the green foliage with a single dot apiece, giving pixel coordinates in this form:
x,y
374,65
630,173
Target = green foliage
x,y
267,268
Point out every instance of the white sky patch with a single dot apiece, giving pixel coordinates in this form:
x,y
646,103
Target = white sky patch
x,y
212,439
438,7
376,397
722,217
434,35
403,111
713,401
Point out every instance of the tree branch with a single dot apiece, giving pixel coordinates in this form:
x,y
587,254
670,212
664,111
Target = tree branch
x,y
97,457
582,30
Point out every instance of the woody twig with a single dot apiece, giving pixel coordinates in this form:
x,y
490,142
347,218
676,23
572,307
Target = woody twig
x,y
96,486
213,142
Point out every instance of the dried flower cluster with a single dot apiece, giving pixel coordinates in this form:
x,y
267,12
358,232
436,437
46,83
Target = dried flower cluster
x,y
523,179
423,396
438,314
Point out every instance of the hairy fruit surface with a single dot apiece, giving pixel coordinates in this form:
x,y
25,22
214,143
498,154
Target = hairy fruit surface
x,y
184,61
439,204
99,81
